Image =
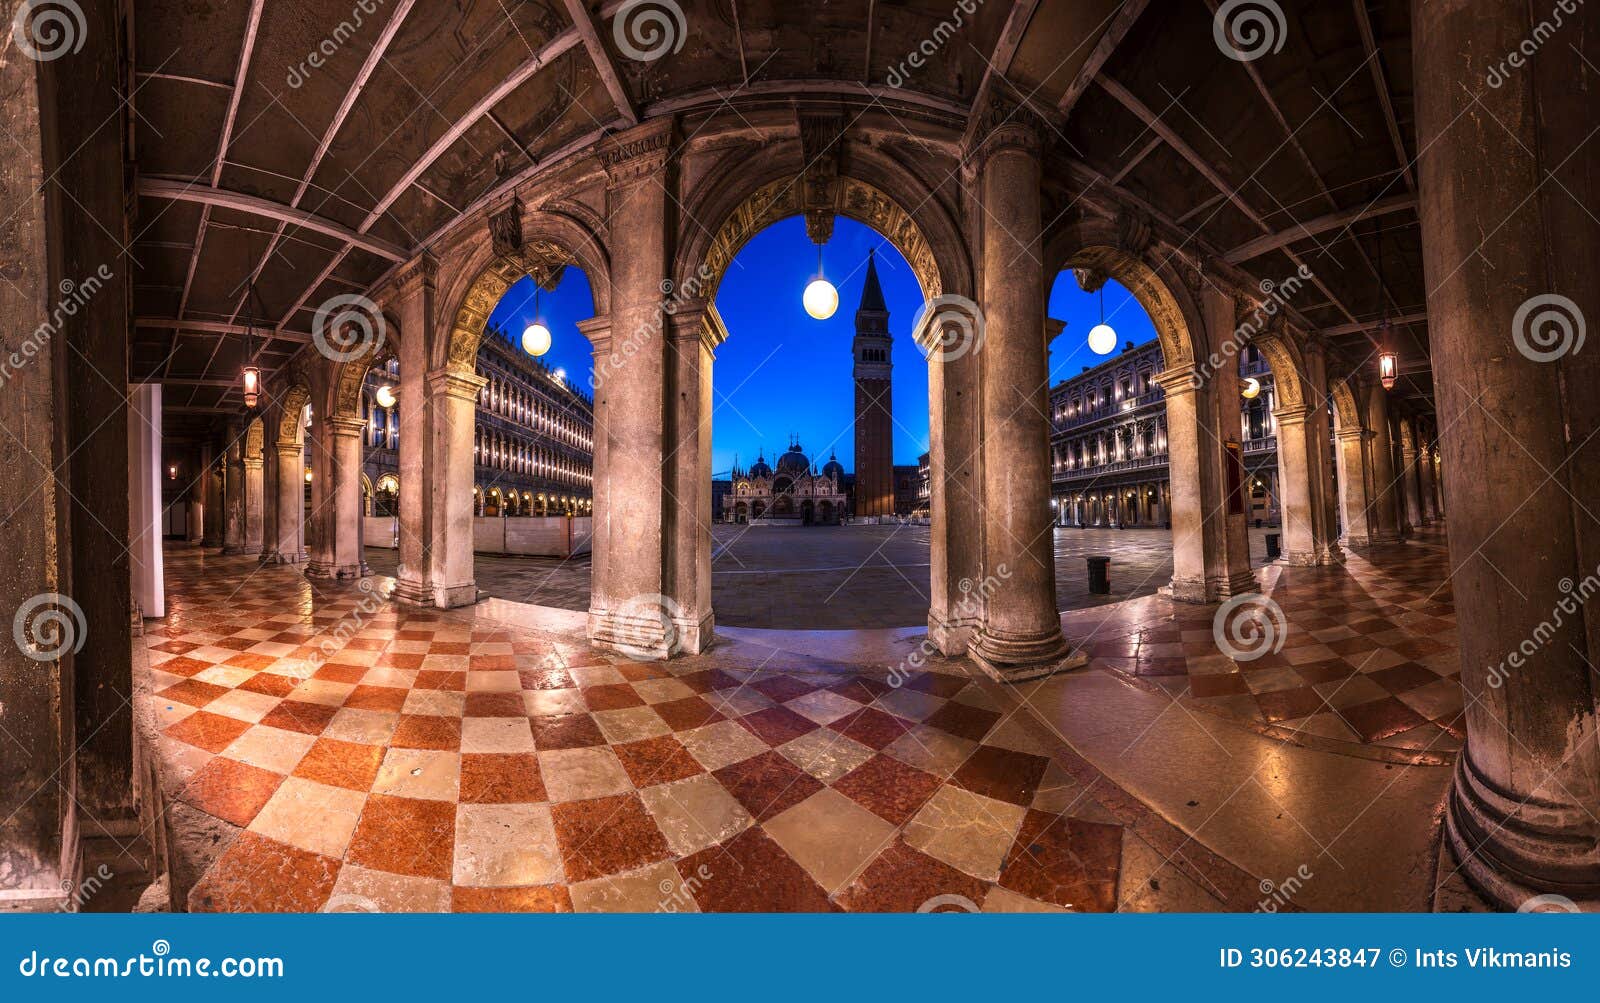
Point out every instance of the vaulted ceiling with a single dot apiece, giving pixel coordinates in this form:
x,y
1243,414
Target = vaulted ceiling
x,y
302,147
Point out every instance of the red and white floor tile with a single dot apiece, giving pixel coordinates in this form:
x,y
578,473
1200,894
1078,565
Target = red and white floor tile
x,y
362,755
1369,652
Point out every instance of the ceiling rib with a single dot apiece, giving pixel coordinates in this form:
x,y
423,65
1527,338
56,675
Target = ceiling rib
x,y
216,197
1121,23
1322,224
1381,82
603,63
352,94
1005,48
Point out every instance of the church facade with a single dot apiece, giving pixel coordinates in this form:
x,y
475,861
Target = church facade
x,y
792,494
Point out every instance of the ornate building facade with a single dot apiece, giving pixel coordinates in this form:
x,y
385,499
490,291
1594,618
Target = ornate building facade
x,y
1108,443
793,494
533,442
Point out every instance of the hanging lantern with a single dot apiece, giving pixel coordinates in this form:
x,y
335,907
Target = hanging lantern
x,y
308,475
1388,369
1252,389
1102,337
385,396
252,386
820,298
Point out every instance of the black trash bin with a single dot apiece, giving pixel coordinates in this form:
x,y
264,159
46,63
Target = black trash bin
x,y
1099,575
1274,549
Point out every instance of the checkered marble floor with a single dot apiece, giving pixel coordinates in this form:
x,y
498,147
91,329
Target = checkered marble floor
x,y
1369,654
366,756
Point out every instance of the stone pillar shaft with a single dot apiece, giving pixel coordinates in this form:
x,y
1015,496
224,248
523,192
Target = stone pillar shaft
x,y
1386,490
289,502
1021,633
1352,457
695,332
1300,543
343,516
1516,431
254,505
233,516
452,406
413,576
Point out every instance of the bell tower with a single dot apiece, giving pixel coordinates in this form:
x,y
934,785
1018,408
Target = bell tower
x,y
874,495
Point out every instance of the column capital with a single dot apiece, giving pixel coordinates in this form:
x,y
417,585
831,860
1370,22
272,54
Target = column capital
x,y
638,153
344,425
1003,124
1176,382
415,275
452,383
696,318
1294,415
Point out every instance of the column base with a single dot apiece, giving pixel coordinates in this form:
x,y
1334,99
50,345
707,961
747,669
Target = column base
x,y
280,557
1189,590
455,596
696,635
412,593
1379,539
1521,855
1010,658
1301,558
318,569
1355,541
635,631
232,549
951,637
1237,584
1330,556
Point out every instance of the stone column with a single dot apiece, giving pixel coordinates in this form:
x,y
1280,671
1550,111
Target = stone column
x,y
633,615
254,504
211,493
1409,476
598,331
1352,458
954,486
342,515
414,295
1021,633
233,515
289,504
319,563
1184,506
1225,487
1386,490
1319,454
453,413
1425,475
1294,488
197,498
695,331
1517,421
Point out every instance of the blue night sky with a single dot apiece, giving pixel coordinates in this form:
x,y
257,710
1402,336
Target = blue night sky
x,y
781,372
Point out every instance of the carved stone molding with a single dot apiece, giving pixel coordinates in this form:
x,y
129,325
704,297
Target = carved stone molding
x,y
505,228
860,201
1003,124
639,153
819,146
1135,232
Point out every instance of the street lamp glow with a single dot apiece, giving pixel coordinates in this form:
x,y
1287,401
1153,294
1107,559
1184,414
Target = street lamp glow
x,y
536,339
821,299
1102,339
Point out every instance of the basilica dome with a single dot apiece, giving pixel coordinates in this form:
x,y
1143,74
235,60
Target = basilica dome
x,y
795,463
833,468
760,468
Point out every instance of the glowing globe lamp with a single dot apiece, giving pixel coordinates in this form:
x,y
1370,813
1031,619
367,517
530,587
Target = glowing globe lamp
x,y
385,396
821,299
1102,340
536,339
